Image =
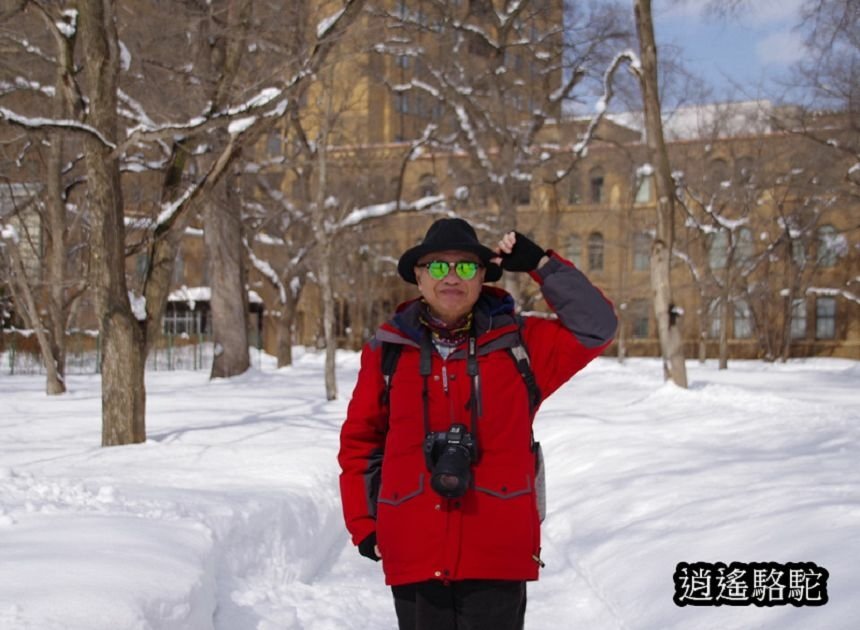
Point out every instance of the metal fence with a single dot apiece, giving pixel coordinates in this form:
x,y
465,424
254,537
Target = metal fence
x,y
83,354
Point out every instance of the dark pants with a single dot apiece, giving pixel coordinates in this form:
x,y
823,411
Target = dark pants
x,y
462,605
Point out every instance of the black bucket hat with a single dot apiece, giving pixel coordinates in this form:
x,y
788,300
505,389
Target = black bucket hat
x,y
443,235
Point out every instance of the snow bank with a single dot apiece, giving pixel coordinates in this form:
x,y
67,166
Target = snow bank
x,y
228,517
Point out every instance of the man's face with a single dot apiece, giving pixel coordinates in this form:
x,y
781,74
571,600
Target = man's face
x,y
451,297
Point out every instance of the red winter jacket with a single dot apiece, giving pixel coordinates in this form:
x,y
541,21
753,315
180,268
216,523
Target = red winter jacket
x,y
493,531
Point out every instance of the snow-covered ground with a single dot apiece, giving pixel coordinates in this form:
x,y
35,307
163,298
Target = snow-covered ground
x,y
229,518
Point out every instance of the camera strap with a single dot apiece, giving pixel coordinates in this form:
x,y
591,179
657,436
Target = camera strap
x,y
475,400
425,367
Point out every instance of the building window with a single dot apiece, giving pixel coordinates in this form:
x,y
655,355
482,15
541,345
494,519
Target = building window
x,y
798,251
641,251
640,318
141,263
828,246
595,251
401,102
718,249
573,196
403,61
427,186
595,178
178,271
574,249
825,318
181,320
743,320
715,319
745,248
798,318
273,144
643,191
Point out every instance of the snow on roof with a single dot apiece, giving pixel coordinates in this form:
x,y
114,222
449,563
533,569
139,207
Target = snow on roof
x,y
193,295
715,120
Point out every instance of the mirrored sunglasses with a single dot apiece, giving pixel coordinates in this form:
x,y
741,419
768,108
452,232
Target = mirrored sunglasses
x,y
439,269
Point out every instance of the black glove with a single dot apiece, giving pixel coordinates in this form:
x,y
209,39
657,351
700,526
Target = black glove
x,y
525,255
365,547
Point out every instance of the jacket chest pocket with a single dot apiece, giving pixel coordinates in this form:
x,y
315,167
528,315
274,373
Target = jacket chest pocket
x,y
399,490
515,487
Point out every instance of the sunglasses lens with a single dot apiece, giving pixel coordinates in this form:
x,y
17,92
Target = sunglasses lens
x,y
438,269
466,270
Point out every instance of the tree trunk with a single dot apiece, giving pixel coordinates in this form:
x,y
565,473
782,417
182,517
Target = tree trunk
x,y
328,321
668,325
122,365
668,320
56,262
23,295
788,305
285,338
223,238
622,334
725,312
287,320
52,341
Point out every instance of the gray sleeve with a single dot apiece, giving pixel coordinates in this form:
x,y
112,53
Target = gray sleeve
x,y
580,306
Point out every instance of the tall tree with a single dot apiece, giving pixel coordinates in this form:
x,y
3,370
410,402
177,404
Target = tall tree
x,y
667,315
122,367
47,292
125,338
489,75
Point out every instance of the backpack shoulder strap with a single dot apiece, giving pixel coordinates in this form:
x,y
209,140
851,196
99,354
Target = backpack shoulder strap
x,y
520,355
390,356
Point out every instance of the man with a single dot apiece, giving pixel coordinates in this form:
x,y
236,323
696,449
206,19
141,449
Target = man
x,y
455,518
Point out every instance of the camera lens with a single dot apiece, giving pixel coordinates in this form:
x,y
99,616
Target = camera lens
x,y
449,482
451,474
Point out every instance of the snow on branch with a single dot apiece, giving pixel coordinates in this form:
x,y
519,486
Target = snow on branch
x,y
469,131
234,116
325,25
384,209
169,209
52,123
608,92
30,48
600,107
848,295
68,26
9,233
510,12
20,83
267,272
476,30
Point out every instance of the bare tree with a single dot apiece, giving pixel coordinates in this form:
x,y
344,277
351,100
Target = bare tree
x,y
124,337
488,77
668,317
46,298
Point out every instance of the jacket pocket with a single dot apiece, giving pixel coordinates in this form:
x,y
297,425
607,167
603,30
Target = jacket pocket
x,y
397,493
505,525
402,520
506,490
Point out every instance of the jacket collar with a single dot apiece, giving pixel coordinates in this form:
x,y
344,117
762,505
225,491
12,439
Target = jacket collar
x,y
493,312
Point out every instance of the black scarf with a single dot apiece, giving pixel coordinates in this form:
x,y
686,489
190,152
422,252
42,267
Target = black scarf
x,y
442,334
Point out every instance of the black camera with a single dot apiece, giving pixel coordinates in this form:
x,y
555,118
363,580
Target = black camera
x,y
449,456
